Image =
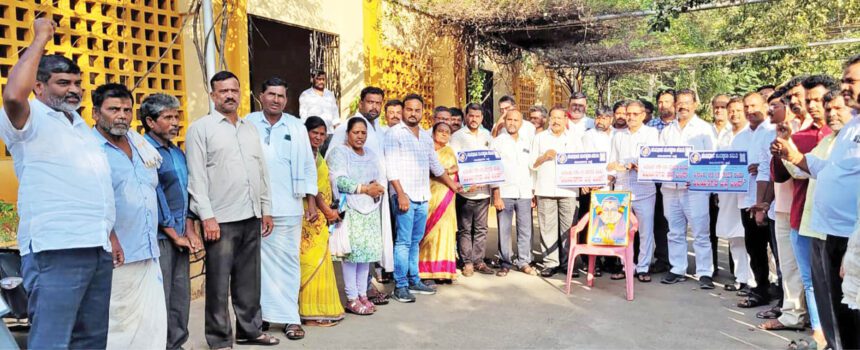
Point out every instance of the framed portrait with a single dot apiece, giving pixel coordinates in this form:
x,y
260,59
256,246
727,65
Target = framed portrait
x,y
609,218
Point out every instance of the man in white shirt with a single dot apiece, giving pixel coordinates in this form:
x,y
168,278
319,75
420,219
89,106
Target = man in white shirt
x,y
65,202
474,203
514,196
720,128
729,223
393,114
757,234
599,139
537,116
623,160
287,152
578,122
556,205
319,101
684,208
835,206
506,104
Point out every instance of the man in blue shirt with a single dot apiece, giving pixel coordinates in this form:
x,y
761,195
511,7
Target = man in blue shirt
x,y
159,114
138,316
65,201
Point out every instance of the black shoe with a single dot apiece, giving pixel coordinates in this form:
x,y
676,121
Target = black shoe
x,y
548,272
706,282
492,263
672,278
421,288
402,295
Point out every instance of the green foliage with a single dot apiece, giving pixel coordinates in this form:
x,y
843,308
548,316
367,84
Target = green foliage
x,y
787,22
8,222
475,85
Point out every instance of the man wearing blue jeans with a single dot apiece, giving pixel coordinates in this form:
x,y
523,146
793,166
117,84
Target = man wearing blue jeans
x,y
65,202
409,157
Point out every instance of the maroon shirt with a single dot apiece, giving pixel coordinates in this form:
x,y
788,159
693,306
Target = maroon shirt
x,y
805,140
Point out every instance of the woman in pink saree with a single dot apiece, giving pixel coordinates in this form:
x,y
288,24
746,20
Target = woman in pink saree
x,y
437,257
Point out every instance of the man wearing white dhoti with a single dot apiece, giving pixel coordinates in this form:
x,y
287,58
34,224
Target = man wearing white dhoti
x,y
138,315
289,159
737,137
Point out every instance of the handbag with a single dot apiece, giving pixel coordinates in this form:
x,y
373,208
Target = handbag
x,y
338,243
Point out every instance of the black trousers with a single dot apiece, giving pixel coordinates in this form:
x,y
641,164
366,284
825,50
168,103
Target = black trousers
x,y
756,239
713,212
472,228
233,269
841,324
177,291
661,230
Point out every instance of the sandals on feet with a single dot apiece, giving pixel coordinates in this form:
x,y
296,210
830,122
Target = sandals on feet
x,y
320,323
264,339
772,325
294,332
643,277
617,276
730,288
751,302
769,314
355,306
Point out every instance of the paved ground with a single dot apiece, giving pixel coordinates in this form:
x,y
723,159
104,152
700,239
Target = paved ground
x,y
520,311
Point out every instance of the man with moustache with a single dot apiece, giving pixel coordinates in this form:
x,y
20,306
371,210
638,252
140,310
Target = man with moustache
x,y
556,205
65,221
720,114
665,116
177,237
410,158
236,208
513,198
577,121
506,104
816,86
473,204
138,316
393,113
623,161
792,311
665,110
319,101
755,222
456,119
837,114
288,156
684,208
729,223
834,209
537,116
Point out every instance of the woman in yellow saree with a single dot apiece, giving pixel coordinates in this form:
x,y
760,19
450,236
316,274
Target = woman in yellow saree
x,y
319,298
437,256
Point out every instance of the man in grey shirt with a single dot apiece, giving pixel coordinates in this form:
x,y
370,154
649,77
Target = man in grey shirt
x,y
229,188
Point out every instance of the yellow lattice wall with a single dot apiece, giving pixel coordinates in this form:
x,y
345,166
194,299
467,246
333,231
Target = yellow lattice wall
x,y
112,41
524,91
558,92
400,73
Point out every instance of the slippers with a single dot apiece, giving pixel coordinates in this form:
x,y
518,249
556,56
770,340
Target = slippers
x,y
643,277
264,339
617,276
769,314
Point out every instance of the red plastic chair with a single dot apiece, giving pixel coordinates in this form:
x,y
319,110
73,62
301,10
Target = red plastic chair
x,y
625,253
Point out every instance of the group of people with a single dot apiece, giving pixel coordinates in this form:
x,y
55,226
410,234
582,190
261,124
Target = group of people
x,y
109,217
